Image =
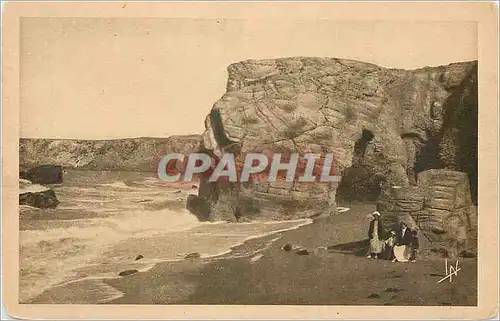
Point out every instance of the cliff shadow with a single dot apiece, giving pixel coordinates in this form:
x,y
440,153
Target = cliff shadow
x,y
454,147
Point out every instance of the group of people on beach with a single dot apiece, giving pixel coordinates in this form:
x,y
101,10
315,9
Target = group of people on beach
x,y
401,245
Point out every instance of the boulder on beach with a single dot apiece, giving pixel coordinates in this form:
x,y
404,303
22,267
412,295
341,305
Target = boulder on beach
x,y
302,251
36,195
297,249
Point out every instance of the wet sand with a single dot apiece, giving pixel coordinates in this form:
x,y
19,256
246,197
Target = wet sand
x,y
274,276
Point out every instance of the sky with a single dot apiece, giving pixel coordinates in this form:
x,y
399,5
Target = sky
x,y
101,78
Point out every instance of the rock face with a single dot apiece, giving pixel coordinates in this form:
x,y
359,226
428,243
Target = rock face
x,y
36,195
199,206
131,154
383,126
440,206
45,174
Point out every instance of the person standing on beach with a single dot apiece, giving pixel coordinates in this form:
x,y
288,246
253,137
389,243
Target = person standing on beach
x,y
376,236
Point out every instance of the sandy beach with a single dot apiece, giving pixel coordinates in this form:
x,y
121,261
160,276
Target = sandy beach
x,y
261,272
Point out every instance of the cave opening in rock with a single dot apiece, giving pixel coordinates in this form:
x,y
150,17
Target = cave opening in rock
x,y
358,182
362,143
421,153
218,129
428,155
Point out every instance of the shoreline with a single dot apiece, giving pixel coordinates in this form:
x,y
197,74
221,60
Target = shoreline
x,y
234,250
258,271
280,277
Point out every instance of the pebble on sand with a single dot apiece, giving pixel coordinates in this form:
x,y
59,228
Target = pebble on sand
x,y
302,251
297,249
194,255
393,290
140,256
127,272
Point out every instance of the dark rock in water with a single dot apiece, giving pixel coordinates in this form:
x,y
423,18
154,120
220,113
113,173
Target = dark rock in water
x,y
199,206
393,290
287,247
194,186
44,174
373,296
127,272
140,256
40,199
302,252
194,255
445,303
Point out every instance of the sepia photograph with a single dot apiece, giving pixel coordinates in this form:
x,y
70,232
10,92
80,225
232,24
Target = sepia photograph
x,y
255,161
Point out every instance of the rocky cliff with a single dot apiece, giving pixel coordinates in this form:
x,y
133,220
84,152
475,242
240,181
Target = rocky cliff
x,y
384,126
131,154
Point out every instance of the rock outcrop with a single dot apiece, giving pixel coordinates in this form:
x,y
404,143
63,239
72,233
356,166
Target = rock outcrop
x,y
383,126
130,154
44,174
36,195
439,206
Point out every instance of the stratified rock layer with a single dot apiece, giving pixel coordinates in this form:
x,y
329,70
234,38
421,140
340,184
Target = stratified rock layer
x,y
383,126
440,205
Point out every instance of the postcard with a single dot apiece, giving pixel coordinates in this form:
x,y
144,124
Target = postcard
x,y
250,160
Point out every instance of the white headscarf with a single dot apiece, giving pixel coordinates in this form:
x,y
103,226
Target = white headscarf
x,y
371,216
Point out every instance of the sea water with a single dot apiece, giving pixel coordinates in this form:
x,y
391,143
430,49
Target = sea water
x,y
106,219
